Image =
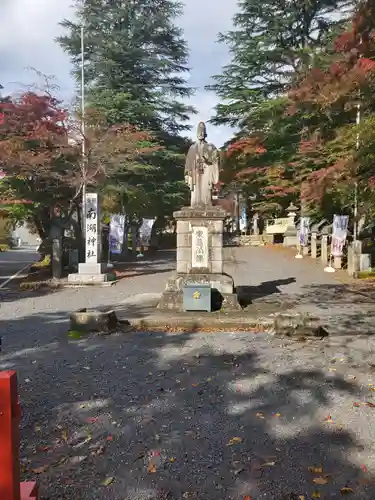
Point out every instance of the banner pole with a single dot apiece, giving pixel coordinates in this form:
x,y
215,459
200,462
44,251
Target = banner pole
x,y
109,263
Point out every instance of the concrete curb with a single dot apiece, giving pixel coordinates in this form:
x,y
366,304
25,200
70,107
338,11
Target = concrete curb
x,y
282,324
193,325
278,324
103,284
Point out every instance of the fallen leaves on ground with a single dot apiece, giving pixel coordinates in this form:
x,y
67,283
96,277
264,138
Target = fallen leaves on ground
x,y
108,481
267,464
321,480
346,491
44,448
99,451
367,403
151,468
197,329
234,440
316,470
92,420
40,470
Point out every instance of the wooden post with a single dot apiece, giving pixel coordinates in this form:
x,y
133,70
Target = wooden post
x,y
10,487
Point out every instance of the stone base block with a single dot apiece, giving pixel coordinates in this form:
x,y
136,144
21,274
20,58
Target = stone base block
x,y
88,279
223,296
91,268
290,241
253,240
298,324
268,238
256,240
173,301
221,282
208,213
86,320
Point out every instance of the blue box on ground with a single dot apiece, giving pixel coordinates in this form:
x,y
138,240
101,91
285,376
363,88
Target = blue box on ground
x,y
197,297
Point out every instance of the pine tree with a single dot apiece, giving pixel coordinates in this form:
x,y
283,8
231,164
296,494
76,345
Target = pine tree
x,y
136,61
272,42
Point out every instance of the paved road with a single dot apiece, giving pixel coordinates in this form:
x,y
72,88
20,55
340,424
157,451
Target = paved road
x,y
13,261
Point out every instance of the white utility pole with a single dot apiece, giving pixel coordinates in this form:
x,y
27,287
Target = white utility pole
x,y
355,211
83,130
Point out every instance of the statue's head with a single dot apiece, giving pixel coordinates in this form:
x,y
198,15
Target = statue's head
x,y
201,131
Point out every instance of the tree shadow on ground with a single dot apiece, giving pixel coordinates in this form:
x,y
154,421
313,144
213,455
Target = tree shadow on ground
x,y
158,256
142,271
346,307
325,294
156,264
13,292
172,416
247,294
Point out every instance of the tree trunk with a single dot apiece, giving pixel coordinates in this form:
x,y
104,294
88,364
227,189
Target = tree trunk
x,y
40,226
79,233
124,251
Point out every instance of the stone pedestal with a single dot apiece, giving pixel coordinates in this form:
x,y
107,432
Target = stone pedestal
x,y
324,250
200,258
89,273
357,261
290,237
337,262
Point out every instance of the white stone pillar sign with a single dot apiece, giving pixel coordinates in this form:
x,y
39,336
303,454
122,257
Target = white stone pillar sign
x,y
92,270
92,228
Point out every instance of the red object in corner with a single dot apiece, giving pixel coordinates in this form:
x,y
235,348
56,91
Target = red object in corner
x,y
29,491
10,487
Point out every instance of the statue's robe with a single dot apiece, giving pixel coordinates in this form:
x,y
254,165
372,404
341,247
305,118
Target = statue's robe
x,y
202,172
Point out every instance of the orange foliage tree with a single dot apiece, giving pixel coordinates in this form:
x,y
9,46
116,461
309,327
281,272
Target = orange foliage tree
x,y
40,155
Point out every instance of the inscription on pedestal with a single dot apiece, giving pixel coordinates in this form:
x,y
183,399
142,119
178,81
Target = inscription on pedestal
x,y
199,258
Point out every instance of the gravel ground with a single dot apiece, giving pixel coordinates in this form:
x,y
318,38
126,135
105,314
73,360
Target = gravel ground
x,y
206,416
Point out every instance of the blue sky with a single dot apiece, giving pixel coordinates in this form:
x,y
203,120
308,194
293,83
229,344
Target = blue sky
x,y
28,29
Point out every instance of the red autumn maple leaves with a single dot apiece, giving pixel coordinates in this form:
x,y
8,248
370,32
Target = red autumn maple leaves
x,y
349,68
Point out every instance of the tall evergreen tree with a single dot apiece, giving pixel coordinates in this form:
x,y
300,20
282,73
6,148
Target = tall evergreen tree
x,y
272,42
272,45
136,61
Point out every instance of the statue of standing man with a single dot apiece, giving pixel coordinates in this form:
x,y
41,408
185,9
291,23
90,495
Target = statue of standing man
x,y
202,169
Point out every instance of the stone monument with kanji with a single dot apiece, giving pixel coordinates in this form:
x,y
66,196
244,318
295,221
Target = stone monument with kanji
x,y
92,271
